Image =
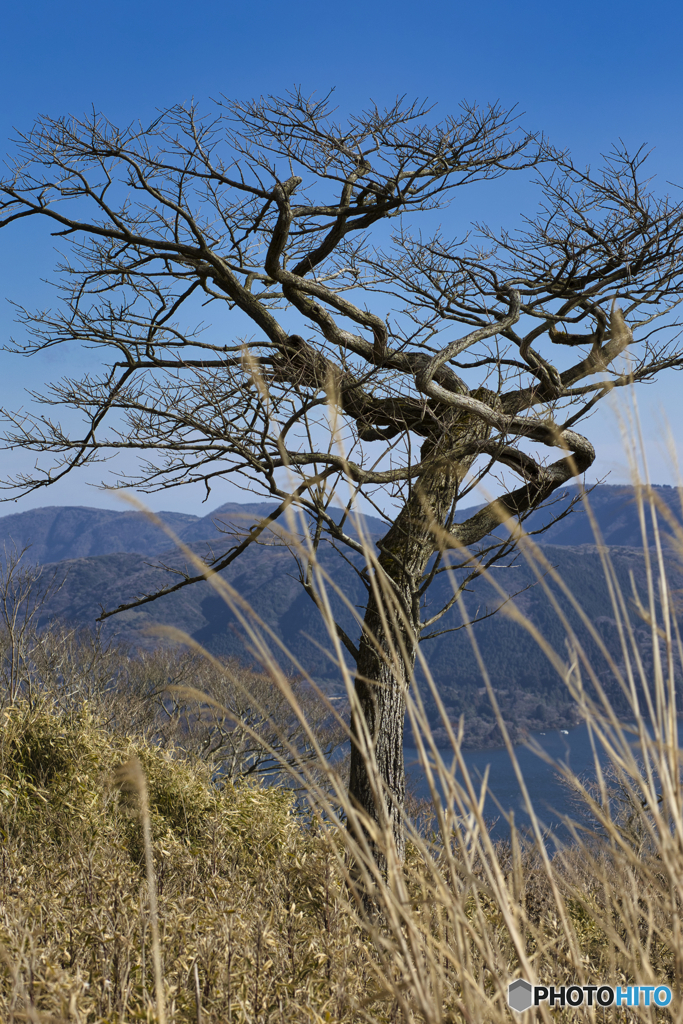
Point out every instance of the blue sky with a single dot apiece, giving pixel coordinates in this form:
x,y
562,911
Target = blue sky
x,y
587,74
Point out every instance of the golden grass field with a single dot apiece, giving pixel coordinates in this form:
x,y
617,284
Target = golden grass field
x,y
133,887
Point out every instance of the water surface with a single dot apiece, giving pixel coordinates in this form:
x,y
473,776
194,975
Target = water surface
x,y
550,798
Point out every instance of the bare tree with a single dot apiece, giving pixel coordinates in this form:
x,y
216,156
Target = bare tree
x,y
248,728
441,360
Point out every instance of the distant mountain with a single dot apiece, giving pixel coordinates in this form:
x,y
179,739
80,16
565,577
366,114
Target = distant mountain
x,y
100,553
615,511
56,533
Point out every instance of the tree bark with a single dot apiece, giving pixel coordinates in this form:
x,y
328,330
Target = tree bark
x,y
391,627
386,659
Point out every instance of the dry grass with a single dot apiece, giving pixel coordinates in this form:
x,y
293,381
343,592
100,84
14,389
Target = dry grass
x,y
247,888
271,912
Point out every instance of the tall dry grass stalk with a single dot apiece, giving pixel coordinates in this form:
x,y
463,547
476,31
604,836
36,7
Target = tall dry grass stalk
x,y
436,937
131,776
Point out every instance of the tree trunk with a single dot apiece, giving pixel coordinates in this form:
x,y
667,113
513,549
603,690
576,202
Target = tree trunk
x,y
386,660
391,628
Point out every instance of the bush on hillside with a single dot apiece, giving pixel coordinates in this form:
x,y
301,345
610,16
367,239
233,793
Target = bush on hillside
x,y
247,887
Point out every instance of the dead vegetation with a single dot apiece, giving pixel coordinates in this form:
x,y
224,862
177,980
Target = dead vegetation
x,y
246,888
269,907
257,921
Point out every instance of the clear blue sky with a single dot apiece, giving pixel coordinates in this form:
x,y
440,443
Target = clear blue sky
x,y
585,73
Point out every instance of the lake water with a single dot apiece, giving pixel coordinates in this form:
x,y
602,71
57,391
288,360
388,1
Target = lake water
x,y
549,797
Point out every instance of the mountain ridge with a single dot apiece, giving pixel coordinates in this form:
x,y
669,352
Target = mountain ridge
x,y
57,532
530,694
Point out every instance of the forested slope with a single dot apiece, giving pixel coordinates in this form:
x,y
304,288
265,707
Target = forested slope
x,y
79,543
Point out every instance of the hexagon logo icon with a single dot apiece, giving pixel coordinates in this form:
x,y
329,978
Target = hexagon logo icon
x,y
520,995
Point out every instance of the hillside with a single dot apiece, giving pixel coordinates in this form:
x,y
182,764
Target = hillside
x,y
56,533
242,881
114,850
99,552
